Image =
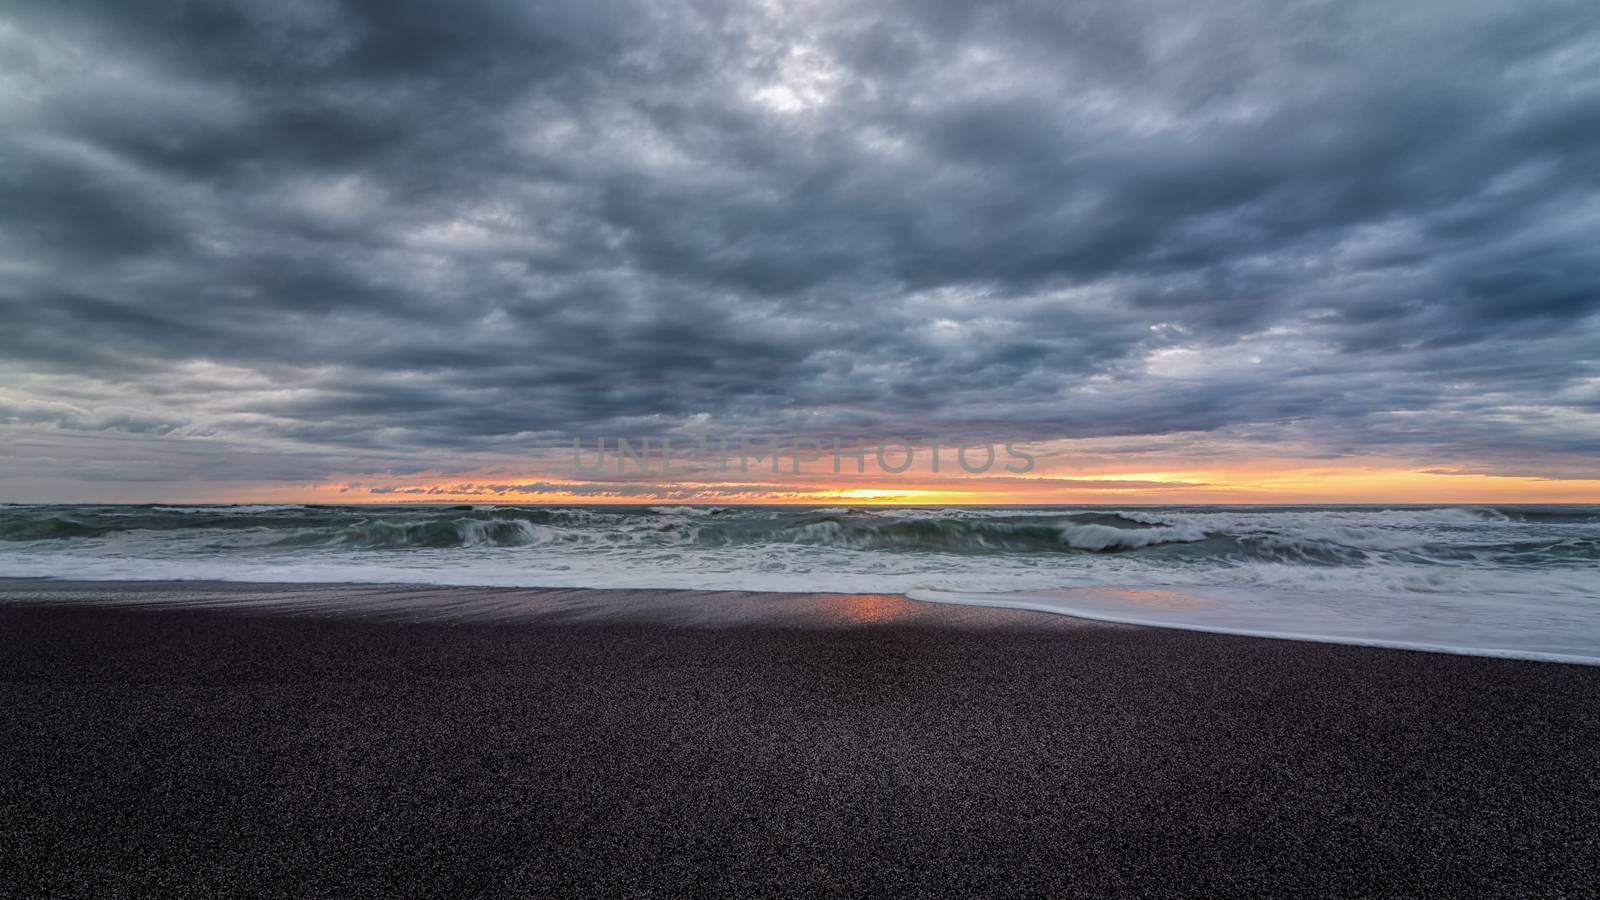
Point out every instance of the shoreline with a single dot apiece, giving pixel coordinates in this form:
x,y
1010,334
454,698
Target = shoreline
x,y
420,602
498,605
911,748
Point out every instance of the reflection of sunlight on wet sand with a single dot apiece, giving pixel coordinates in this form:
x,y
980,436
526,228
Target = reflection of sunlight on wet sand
x,y
867,608
900,610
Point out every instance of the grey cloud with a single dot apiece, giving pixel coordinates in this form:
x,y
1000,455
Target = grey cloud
x,y
431,231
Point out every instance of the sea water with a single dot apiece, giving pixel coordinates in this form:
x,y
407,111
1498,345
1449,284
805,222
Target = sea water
x,y
1509,580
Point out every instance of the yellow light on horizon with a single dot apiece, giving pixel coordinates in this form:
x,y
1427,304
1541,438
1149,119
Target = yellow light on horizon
x,y
868,495
1232,481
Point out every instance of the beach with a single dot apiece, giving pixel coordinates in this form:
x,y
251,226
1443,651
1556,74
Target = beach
x,y
505,449
312,739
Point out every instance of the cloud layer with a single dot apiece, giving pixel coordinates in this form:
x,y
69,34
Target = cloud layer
x,y
306,240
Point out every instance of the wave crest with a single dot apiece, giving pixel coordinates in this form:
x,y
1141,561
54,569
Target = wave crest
x,y
1101,538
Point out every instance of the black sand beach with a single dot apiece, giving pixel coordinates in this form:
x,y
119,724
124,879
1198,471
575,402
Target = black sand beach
x,y
831,745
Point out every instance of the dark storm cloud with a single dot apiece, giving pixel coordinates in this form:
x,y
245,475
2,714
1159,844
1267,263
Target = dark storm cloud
x,y
393,234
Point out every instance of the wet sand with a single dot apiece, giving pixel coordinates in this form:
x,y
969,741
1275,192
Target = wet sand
x,y
623,743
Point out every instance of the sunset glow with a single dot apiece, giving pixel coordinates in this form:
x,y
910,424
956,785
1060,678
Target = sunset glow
x,y
1233,485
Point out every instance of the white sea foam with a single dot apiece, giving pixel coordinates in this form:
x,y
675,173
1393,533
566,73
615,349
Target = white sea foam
x,y
1105,537
1545,627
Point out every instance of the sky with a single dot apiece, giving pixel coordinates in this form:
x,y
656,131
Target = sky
x,y
379,251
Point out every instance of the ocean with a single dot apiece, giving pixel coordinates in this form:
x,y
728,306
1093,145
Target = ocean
x,y
1502,580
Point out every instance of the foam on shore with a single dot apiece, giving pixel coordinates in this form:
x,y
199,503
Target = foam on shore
x,y
1533,627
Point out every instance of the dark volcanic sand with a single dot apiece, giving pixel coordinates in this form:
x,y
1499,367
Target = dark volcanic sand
x,y
199,752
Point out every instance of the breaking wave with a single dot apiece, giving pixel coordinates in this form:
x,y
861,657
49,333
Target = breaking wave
x,y
1306,535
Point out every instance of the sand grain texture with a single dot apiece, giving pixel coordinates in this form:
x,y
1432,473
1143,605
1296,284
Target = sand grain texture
x,y
197,752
